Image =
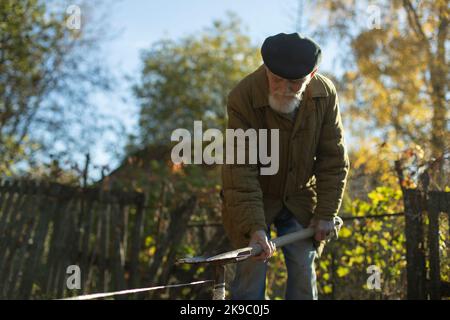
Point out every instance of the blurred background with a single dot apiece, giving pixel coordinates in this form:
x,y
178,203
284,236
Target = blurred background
x,y
90,94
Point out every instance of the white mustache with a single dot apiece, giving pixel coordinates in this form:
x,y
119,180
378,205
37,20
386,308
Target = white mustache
x,y
283,106
285,94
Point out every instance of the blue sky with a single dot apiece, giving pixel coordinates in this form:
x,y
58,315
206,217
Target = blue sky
x,y
144,22
139,23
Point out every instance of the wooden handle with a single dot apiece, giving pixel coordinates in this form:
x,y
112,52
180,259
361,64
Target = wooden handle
x,y
286,239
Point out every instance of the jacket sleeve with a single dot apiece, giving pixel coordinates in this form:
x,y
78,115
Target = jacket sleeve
x,y
332,163
241,188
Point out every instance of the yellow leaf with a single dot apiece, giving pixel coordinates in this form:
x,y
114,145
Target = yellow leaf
x,y
345,232
342,272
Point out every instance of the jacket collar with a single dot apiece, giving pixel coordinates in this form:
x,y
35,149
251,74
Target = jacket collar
x,y
260,88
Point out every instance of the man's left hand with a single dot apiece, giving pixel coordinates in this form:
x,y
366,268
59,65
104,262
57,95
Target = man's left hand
x,y
323,228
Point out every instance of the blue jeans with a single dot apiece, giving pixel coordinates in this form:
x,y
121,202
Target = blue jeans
x,y
249,282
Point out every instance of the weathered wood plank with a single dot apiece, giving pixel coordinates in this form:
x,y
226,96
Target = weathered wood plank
x,y
12,239
3,195
87,227
136,239
433,243
46,232
103,251
46,211
117,266
25,237
13,201
56,247
70,253
93,259
415,256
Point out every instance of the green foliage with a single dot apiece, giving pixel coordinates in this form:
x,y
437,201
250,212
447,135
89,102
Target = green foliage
x,y
395,70
190,79
342,269
365,242
47,74
182,81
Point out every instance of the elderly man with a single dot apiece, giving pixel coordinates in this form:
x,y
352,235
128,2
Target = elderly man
x,y
288,94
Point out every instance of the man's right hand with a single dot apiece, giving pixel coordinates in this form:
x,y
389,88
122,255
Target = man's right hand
x,y
268,247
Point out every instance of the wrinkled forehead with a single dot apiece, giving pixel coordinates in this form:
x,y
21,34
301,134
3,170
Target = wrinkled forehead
x,y
273,75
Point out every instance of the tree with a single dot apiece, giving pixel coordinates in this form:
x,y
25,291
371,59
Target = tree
x,y
394,83
393,88
47,71
190,79
182,81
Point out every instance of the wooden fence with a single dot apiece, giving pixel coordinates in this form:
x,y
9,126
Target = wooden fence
x,y
423,249
45,228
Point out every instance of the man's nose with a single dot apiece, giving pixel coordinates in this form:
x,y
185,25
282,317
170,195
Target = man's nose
x,y
294,87
286,87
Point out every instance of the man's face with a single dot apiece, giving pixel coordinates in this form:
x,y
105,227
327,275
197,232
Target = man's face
x,y
285,95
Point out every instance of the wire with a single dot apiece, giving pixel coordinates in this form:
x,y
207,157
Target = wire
x,y
116,293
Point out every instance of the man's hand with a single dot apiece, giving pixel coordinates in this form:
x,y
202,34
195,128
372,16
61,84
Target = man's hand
x,y
323,228
268,247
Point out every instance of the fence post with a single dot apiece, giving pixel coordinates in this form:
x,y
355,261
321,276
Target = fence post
x,y
219,282
136,240
433,242
415,257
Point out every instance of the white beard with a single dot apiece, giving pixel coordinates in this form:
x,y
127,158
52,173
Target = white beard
x,y
287,105
284,106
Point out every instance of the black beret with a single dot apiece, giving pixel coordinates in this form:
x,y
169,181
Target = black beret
x,y
290,56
